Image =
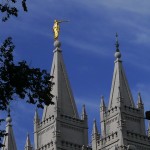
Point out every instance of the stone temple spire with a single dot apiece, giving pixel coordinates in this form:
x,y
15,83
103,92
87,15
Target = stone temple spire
x,y
63,96
9,139
119,83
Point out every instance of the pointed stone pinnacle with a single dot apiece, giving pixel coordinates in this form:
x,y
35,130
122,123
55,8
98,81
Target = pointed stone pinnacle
x,y
140,102
139,98
83,110
84,115
95,130
61,88
36,116
102,104
120,80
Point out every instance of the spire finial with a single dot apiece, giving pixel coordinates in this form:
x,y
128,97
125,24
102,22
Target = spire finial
x,y
8,119
56,28
8,111
117,43
117,53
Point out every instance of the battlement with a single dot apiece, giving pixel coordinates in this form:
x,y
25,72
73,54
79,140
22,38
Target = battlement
x,y
73,146
71,119
47,146
46,122
137,136
108,139
132,110
110,111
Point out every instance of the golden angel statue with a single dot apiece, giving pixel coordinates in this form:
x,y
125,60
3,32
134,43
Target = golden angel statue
x,y
56,28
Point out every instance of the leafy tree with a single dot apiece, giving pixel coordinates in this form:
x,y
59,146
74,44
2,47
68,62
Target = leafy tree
x,y
8,9
19,79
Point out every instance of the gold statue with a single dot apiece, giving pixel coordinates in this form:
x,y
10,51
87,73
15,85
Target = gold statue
x,y
56,28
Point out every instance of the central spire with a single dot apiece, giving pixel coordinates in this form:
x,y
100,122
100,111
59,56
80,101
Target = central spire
x,y
63,96
120,91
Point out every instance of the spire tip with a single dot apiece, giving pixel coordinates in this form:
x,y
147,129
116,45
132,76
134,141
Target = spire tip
x,y
117,53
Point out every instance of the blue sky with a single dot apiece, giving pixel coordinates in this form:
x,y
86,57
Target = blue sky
x,y
88,44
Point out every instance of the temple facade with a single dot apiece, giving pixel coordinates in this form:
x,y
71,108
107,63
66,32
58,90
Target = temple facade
x,y
61,128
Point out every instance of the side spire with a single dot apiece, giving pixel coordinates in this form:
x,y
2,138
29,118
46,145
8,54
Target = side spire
x,y
102,104
9,139
95,135
28,145
84,115
119,80
140,102
36,117
95,130
62,92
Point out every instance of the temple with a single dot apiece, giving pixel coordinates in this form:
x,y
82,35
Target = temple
x,y
61,128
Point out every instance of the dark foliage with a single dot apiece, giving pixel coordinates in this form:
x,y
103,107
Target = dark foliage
x,y
19,79
7,8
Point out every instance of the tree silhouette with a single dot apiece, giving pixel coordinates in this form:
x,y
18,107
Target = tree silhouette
x,y
19,79
8,9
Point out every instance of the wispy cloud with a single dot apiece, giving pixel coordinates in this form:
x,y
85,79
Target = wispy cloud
x,y
87,47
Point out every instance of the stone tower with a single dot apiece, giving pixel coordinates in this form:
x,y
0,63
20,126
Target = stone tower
x,y
122,124
61,128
